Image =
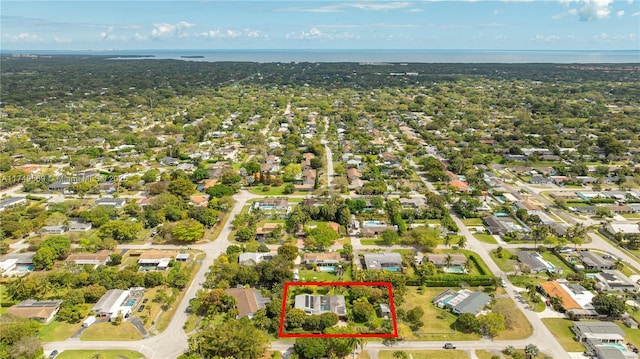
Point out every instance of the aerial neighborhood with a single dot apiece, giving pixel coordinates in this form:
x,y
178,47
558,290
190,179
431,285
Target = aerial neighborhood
x,y
172,214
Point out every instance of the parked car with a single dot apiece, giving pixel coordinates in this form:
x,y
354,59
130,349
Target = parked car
x,y
141,308
449,346
145,300
53,354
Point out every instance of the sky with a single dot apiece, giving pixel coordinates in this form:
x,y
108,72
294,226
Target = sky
x,y
433,24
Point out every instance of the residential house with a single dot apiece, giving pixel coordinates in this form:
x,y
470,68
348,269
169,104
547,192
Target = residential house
x,y
205,184
93,259
502,225
389,159
574,298
389,261
462,301
594,334
169,161
385,311
155,259
595,261
251,258
58,229
112,202
536,263
623,227
16,261
440,259
78,226
111,304
183,257
7,203
44,312
539,180
353,174
327,259
273,204
248,301
199,201
186,167
413,203
263,232
615,281
318,304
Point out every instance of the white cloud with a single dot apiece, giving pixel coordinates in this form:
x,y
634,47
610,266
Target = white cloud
x,y
314,34
139,37
620,13
108,35
636,14
587,10
416,10
166,31
61,40
229,34
22,37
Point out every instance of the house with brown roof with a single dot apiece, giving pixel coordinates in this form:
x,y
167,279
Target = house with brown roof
x,y
248,301
44,312
461,186
93,259
199,201
353,173
266,229
328,258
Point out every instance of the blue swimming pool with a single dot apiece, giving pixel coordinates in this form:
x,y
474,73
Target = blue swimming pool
x,y
130,303
25,267
326,268
372,223
391,269
615,345
454,269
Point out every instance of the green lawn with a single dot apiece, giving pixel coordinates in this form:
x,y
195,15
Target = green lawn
x,y
372,242
631,215
425,354
312,276
56,331
105,354
553,259
438,323
474,222
561,329
506,264
631,335
108,331
486,238
522,280
518,327
484,354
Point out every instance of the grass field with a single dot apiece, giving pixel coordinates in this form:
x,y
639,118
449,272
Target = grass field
x,y
108,331
104,354
165,318
372,242
474,222
56,331
484,354
438,323
522,280
486,238
518,327
426,354
506,264
561,328
553,259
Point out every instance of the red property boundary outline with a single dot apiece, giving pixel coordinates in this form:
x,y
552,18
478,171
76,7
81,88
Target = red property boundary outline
x,y
282,334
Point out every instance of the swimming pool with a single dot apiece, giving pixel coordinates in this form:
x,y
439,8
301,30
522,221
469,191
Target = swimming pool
x,y
615,345
25,267
326,268
590,275
391,269
130,303
372,223
454,269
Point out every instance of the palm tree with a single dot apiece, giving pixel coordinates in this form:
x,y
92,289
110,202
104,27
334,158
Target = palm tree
x,y
618,264
531,351
576,233
462,242
539,234
399,354
447,240
447,261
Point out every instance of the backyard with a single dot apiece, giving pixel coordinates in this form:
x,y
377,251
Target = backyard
x,y
56,331
506,264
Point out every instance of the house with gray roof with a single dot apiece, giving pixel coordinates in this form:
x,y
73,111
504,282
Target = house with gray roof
x,y
462,301
112,202
535,262
7,203
615,281
595,261
389,261
318,304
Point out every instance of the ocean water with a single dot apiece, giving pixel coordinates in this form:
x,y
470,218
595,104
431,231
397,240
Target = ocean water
x,y
415,56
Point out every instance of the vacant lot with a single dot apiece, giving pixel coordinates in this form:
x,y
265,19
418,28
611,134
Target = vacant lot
x,y
437,322
108,331
56,331
487,238
561,329
518,327
506,264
